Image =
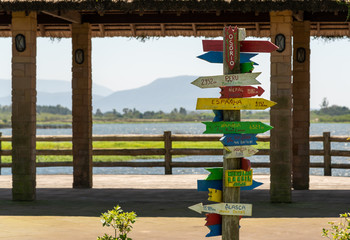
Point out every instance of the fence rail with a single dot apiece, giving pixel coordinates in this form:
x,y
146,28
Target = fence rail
x,y
168,151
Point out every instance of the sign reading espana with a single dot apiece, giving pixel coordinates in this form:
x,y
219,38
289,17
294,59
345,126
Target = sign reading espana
x,y
233,103
238,178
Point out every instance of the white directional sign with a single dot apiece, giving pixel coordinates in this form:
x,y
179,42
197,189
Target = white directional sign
x,y
240,79
237,209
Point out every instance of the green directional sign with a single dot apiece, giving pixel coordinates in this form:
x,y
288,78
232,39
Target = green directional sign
x,y
215,173
236,127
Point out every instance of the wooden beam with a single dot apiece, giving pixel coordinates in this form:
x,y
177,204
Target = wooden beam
x,y
194,27
102,30
42,30
162,27
70,16
133,30
299,16
257,27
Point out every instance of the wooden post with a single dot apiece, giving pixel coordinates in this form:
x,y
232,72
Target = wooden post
x,y
0,150
167,155
230,224
327,153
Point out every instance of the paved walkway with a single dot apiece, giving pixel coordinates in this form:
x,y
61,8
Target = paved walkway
x,y
161,202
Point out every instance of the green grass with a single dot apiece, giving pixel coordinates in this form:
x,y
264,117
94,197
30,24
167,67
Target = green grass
x,y
115,145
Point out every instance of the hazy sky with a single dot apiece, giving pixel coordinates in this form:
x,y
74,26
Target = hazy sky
x,y
123,63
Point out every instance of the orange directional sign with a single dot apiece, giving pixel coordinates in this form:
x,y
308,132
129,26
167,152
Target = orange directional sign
x,y
233,103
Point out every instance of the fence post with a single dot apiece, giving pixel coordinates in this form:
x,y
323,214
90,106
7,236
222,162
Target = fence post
x,y
327,153
0,150
167,155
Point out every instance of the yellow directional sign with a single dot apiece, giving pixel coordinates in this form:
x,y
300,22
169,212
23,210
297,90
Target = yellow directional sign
x,y
233,103
214,195
238,178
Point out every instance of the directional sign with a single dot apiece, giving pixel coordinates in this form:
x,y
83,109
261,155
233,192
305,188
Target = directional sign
x,y
215,230
240,151
242,79
233,209
241,91
217,57
238,178
236,127
245,164
215,173
238,139
219,115
231,46
213,219
246,46
204,185
247,67
233,103
214,195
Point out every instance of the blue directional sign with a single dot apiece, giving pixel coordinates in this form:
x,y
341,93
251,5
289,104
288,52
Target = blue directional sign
x,y
217,57
238,139
219,115
203,185
215,230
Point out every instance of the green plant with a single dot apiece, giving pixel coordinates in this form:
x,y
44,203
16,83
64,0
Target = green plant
x,y
121,222
340,231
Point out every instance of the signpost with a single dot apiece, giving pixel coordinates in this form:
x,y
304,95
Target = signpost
x,y
241,79
239,136
236,127
230,209
241,91
233,103
245,46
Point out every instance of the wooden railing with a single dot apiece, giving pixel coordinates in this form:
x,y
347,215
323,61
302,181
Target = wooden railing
x,y
168,151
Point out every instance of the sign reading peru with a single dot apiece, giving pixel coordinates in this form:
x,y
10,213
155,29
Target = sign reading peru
x,y
238,178
241,79
231,45
233,103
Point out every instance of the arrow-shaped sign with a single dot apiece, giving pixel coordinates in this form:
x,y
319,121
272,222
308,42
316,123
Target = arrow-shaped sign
x,y
215,230
241,79
233,103
215,195
241,91
247,67
236,127
238,139
219,115
245,164
213,219
240,151
215,173
246,46
217,57
204,185
233,209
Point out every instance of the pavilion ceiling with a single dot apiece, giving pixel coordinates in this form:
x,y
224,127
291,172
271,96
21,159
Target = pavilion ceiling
x,y
110,18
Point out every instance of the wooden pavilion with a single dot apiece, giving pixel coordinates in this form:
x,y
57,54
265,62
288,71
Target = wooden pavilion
x,y
289,24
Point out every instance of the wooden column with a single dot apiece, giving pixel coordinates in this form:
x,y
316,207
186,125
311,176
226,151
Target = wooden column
x,y
82,106
24,27
301,104
281,113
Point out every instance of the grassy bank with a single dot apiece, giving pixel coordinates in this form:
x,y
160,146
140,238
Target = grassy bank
x,y
115,145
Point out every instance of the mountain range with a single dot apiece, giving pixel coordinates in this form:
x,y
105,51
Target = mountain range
x,y
163,94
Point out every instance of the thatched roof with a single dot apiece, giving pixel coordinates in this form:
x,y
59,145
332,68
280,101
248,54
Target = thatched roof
x,y
174,17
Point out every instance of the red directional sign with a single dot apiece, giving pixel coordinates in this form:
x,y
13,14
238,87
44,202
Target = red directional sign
x,y
246,46
240,91
213,219
231,46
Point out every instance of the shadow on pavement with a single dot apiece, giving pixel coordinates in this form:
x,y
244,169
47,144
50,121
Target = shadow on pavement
x,y
168,202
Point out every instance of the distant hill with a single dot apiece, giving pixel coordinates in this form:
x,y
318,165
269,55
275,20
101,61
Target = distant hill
x,y
162,94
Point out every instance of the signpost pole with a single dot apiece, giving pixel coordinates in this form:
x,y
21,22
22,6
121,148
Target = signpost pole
x,y
230,224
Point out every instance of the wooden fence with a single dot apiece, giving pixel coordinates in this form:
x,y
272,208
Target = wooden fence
x,y
168,151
